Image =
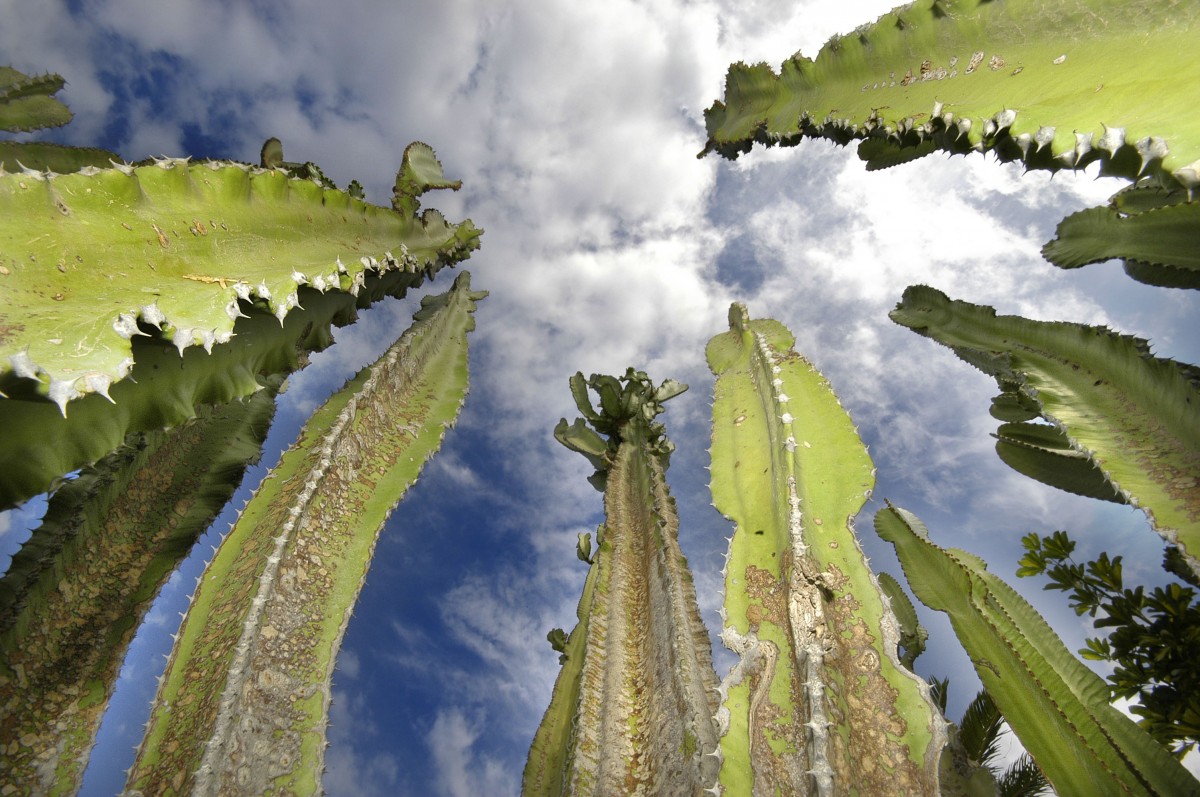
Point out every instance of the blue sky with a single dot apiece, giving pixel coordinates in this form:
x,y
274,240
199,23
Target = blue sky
x,y
574,127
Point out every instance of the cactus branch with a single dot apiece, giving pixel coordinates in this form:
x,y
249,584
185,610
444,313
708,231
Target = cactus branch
x,y
246,693
818,703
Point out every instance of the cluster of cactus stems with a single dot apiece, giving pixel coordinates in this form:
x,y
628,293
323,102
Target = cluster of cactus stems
x,y
635,705
821,700
75,594
163,304
248,266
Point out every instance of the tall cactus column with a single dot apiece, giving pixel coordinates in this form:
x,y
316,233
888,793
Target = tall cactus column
x,y
242,706
632,711
818,702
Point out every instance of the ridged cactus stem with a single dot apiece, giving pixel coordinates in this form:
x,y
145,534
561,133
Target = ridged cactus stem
x,y
633,708
243,705
818,702
1059,709
1132,414
76,592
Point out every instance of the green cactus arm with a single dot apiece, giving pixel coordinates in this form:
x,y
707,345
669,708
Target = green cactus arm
x,y
550,751
26,102
1161,240
74,595
1013,406
818,703
41,156
1045,453
1058,708
1054,84
177,245
579,437
1134,414
913,635
164,389
264,626
633,707
420,172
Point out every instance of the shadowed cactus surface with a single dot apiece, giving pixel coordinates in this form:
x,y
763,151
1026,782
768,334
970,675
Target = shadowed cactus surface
x,y
76,593
1131,414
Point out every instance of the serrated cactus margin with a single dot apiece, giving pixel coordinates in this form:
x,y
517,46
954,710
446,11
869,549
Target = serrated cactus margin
x,y
93,257
818,702
1057,707
291,261
75,594
1052,83
1134,415
243,705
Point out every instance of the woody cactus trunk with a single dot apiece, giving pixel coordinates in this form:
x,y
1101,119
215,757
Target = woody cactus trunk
x,y
242,706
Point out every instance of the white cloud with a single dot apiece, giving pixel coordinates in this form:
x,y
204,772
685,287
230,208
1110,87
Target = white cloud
x,y
350,770
461,772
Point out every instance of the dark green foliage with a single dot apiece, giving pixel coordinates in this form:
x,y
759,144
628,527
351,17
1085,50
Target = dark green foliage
x,y
977,738
1155,637
558,640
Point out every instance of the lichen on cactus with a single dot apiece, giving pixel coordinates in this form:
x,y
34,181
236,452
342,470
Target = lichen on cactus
x,y
1132,414
76,592
1053,83
1056,706
633,708
242,706
818,702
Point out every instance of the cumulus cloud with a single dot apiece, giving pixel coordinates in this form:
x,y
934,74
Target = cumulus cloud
x,y
461,772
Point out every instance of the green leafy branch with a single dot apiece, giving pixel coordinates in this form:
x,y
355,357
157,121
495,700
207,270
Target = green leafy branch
x,y
1155,637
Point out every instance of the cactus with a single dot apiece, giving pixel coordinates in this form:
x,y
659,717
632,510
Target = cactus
x,y
76,592
1045,453
1130,413
632,709
208,243
27,103
1152,230
1052,84
818,702
243,703
1057,707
